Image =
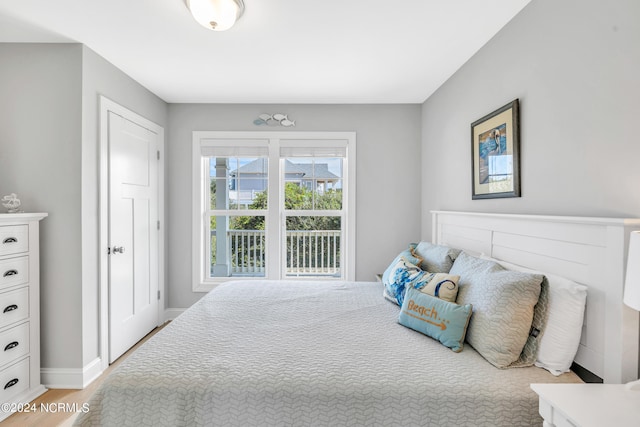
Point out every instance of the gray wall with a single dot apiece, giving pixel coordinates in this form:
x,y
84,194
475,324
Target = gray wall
x,y
49,116
99,77
388,176
574,65
40,141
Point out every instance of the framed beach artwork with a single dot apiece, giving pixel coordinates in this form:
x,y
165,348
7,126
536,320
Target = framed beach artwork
x,y
495,154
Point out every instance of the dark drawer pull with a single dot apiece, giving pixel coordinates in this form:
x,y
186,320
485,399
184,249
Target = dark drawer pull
x,y
11,383
10,308
11,345
10,240
10,273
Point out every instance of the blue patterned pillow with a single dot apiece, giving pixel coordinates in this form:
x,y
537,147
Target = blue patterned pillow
x,y
388,275
405,274
445,321
402,275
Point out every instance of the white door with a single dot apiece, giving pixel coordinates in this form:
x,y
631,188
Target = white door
x,y
133,235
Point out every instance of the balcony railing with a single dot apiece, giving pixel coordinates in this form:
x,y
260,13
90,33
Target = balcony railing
x,y
308,253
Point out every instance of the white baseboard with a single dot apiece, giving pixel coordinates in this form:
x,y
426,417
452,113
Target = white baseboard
x,y
80,378
172,313
71,378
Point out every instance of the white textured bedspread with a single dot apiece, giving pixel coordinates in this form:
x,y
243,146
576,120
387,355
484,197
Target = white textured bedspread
x,y
265,353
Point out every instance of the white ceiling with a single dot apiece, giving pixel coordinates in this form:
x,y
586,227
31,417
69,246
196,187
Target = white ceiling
x,y
280,51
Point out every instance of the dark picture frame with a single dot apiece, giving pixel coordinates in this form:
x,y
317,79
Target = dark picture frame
x,y
495,153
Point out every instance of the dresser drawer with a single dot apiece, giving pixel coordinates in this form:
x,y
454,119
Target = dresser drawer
x,y
14,239
14,344
14,380
14,271
14,306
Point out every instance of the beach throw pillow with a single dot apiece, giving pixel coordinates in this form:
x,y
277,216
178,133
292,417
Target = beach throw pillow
x,y
442,320
503,303
436,258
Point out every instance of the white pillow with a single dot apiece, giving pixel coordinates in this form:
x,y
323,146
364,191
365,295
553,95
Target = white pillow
x,y
561,337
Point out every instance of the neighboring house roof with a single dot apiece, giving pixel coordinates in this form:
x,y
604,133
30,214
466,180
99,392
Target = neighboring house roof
x,y
259,166
295,169
321,170
256,166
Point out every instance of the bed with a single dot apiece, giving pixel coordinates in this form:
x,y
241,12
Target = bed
x,y
259,352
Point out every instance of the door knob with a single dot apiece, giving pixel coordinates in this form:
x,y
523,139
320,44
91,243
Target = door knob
x,y
119,249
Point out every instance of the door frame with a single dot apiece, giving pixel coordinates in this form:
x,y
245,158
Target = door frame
x,y
106,106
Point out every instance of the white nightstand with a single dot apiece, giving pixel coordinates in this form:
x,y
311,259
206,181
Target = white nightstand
x,y
588,405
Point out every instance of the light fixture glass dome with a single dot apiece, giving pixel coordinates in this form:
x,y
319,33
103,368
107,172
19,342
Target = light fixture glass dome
x,y
217,15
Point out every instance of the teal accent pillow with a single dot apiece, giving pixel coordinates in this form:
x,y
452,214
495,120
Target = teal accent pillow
x,y
445,321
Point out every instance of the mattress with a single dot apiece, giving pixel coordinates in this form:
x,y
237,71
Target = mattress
x,y
326,353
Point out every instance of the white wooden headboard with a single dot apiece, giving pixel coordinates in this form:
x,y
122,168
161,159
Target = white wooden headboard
x,y
590,251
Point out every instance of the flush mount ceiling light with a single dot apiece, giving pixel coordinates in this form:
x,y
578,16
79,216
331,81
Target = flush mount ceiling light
x,y
217,15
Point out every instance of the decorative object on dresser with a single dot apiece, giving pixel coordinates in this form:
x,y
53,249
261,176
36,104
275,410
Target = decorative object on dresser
x,y
11,202
632,285
19,310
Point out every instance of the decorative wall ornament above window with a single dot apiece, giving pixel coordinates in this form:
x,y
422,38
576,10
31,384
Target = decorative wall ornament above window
x,y
274,120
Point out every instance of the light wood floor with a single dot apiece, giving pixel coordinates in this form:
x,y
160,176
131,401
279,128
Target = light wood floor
x,y
79,397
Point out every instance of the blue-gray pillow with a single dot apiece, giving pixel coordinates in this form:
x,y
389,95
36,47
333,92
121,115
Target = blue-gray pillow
x,y
503,305
445,321
436,258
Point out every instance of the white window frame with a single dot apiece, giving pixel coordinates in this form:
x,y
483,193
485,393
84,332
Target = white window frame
x,y
275,213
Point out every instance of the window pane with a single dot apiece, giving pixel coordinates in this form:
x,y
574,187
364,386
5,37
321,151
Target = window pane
x,y
237,246
313,183
238,183
249,194
313,246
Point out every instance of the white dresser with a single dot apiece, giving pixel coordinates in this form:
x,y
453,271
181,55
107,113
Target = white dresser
x,y
19,310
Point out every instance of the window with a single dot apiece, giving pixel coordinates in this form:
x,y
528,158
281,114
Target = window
x,y
273,205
